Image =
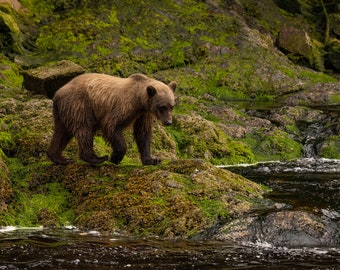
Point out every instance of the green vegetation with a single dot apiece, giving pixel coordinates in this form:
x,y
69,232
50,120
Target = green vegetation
x,y
274,145
331,147
316,77
216,52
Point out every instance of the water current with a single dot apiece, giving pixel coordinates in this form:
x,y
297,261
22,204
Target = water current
x,y
71,249
304,183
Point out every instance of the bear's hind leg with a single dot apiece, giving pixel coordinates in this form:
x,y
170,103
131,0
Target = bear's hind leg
x,y
85,141
59,141
118,147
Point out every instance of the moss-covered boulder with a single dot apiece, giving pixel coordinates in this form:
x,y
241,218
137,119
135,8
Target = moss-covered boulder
x,y
177,199
46,80
11,37
199,138
330,147
298,44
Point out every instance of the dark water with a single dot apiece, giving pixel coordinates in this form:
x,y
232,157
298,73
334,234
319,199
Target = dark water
x,y
305,183
69,249
308,183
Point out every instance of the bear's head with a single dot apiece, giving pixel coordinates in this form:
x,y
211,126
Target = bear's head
x,y
162,100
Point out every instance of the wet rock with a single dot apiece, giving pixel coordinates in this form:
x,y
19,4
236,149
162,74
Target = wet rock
x,y
283,228
47,80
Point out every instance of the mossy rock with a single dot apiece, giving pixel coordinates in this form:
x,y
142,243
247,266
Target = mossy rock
x,y
318,94
6,190
10,77
11,37
199,138
301,47
331,147
274,145
177,199
46,80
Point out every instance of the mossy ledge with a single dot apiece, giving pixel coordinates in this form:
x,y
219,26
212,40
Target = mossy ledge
x,y
176,199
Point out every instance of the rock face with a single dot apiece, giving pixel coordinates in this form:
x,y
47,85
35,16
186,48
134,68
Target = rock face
x,y
47,80
298,43
295,41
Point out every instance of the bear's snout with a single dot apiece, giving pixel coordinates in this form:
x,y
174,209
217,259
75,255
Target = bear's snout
x,y
167,122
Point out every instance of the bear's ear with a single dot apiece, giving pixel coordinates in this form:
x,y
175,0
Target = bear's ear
x,y
173,86
151,90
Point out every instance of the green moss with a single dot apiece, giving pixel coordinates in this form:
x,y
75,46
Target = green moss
x,y
316,77
38,201
49,208
10,77
198,138
178,198
213,209
6,141
331,147
335,98
273,145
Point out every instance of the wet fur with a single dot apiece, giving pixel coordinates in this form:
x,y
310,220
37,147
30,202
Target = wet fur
x,y
92,102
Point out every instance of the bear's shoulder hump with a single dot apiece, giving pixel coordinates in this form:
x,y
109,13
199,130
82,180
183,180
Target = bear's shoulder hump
x,y
138,77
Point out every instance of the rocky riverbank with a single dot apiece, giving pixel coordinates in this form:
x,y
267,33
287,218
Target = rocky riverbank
x,y
219,54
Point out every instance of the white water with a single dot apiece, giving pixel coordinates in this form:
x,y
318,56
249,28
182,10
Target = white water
x,y
304,165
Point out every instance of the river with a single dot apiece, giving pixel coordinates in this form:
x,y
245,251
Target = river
x,y
304,184
34,248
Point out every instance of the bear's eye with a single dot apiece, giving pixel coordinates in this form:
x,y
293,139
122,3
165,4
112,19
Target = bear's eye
x,y
162,108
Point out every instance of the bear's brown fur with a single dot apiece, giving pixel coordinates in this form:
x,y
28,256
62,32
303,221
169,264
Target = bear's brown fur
x,y
92,102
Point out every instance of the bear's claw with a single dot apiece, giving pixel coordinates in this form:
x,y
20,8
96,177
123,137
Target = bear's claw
x,y
151,161
59,160
96,160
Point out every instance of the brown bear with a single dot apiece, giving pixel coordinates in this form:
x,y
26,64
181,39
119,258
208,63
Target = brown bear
x,y
92,102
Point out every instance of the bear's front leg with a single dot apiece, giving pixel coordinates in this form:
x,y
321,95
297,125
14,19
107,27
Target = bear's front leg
x,y
142,131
